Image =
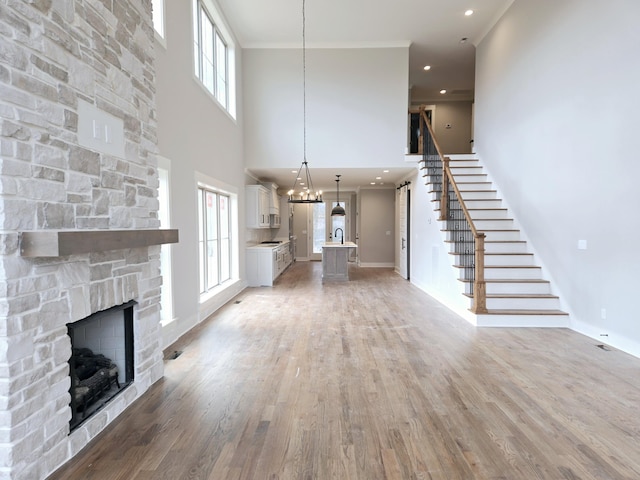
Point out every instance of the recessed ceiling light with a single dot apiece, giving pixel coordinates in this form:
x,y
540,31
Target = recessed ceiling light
x,y
373,183
378,178
427,67
468,13
385,171
294,171
443,91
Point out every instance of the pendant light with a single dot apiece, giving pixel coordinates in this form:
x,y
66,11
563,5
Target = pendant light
x,y
307,193
338,210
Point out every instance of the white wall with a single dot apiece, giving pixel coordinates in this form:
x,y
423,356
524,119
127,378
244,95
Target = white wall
x,y
356,107
376,217
199,138
431,267
556,108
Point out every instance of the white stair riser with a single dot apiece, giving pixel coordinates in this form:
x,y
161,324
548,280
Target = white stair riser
x,y
507,235
487,213
470,178
557,321
471,185
497,247
513,288
508,260
490,204
491,273
497,235
500,260
527,288
464,163
505,247
523,303
481,225
478,195
466,170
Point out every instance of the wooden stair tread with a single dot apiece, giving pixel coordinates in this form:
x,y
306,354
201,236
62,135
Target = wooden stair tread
x,y
508,280
511,266
490,241
495,253
516,295
523,312
485,230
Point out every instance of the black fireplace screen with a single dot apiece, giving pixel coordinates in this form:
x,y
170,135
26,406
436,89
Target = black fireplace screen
x,y
101,362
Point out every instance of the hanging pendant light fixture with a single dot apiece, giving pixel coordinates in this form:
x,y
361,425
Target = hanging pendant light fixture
x,y
306,194
338,210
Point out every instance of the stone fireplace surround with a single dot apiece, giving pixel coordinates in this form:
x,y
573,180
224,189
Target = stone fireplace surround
x,y
55,55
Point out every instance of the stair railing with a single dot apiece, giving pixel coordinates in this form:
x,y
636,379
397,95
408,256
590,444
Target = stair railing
x,y
468,242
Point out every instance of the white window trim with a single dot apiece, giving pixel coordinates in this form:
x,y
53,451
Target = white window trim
x,y
204,181
166,251
225,32
161,37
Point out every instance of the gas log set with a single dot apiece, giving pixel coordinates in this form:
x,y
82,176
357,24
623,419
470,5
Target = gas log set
x,y
93,378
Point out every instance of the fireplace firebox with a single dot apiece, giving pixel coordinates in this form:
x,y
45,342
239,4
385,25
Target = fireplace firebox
x,y
101,362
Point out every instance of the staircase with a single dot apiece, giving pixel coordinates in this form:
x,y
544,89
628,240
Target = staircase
x,y
516,293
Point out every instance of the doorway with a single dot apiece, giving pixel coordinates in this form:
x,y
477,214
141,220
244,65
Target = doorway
x,y
404,227
324,226
415,135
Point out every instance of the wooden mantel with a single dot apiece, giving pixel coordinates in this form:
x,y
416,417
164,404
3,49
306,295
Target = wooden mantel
x,y
58,243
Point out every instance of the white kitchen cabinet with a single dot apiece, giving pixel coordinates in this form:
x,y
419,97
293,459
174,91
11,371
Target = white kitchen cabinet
x,y
274,199
265,264
257,202
274,204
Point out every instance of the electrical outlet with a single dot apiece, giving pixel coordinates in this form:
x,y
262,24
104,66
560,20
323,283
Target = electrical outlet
x,y
603,313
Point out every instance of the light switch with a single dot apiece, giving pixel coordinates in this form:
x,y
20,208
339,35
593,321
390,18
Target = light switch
x,y
582,244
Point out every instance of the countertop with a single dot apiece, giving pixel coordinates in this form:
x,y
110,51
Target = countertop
x,y
269,245
339,245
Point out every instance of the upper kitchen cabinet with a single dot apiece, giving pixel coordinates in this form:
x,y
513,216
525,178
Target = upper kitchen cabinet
x,y
257,201
274,204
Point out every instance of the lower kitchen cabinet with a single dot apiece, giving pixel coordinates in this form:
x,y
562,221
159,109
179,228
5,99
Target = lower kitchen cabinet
x,y
265,264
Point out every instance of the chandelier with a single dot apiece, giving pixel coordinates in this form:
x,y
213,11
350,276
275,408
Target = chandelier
x,y
306,194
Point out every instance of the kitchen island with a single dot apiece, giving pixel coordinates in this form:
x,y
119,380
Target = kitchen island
x,y
335,260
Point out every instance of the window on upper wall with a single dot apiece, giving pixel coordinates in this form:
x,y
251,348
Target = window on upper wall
x,y
214,238
213,54
158,16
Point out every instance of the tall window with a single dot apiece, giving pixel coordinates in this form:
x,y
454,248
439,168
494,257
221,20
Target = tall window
x,y
158,16
211,54
214,235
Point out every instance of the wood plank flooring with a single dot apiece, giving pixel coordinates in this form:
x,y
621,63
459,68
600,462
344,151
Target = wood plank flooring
x,y
372,379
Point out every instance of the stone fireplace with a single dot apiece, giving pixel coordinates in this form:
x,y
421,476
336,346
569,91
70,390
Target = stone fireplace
x,y
78,208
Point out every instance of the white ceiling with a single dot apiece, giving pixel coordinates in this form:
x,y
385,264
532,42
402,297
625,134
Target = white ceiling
x,y
432,28
325,178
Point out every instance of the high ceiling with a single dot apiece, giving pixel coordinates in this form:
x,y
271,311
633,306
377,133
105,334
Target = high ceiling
x,y
433,29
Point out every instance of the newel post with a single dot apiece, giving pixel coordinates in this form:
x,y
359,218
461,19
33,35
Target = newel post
x,y
479,285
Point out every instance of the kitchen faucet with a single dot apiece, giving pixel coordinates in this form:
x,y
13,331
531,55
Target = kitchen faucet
x,y
335,234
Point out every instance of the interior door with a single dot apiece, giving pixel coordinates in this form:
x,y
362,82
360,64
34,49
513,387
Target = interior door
x,y
404,208
324,226
318,229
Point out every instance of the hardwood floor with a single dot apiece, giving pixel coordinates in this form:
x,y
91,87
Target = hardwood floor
x,y
373,379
